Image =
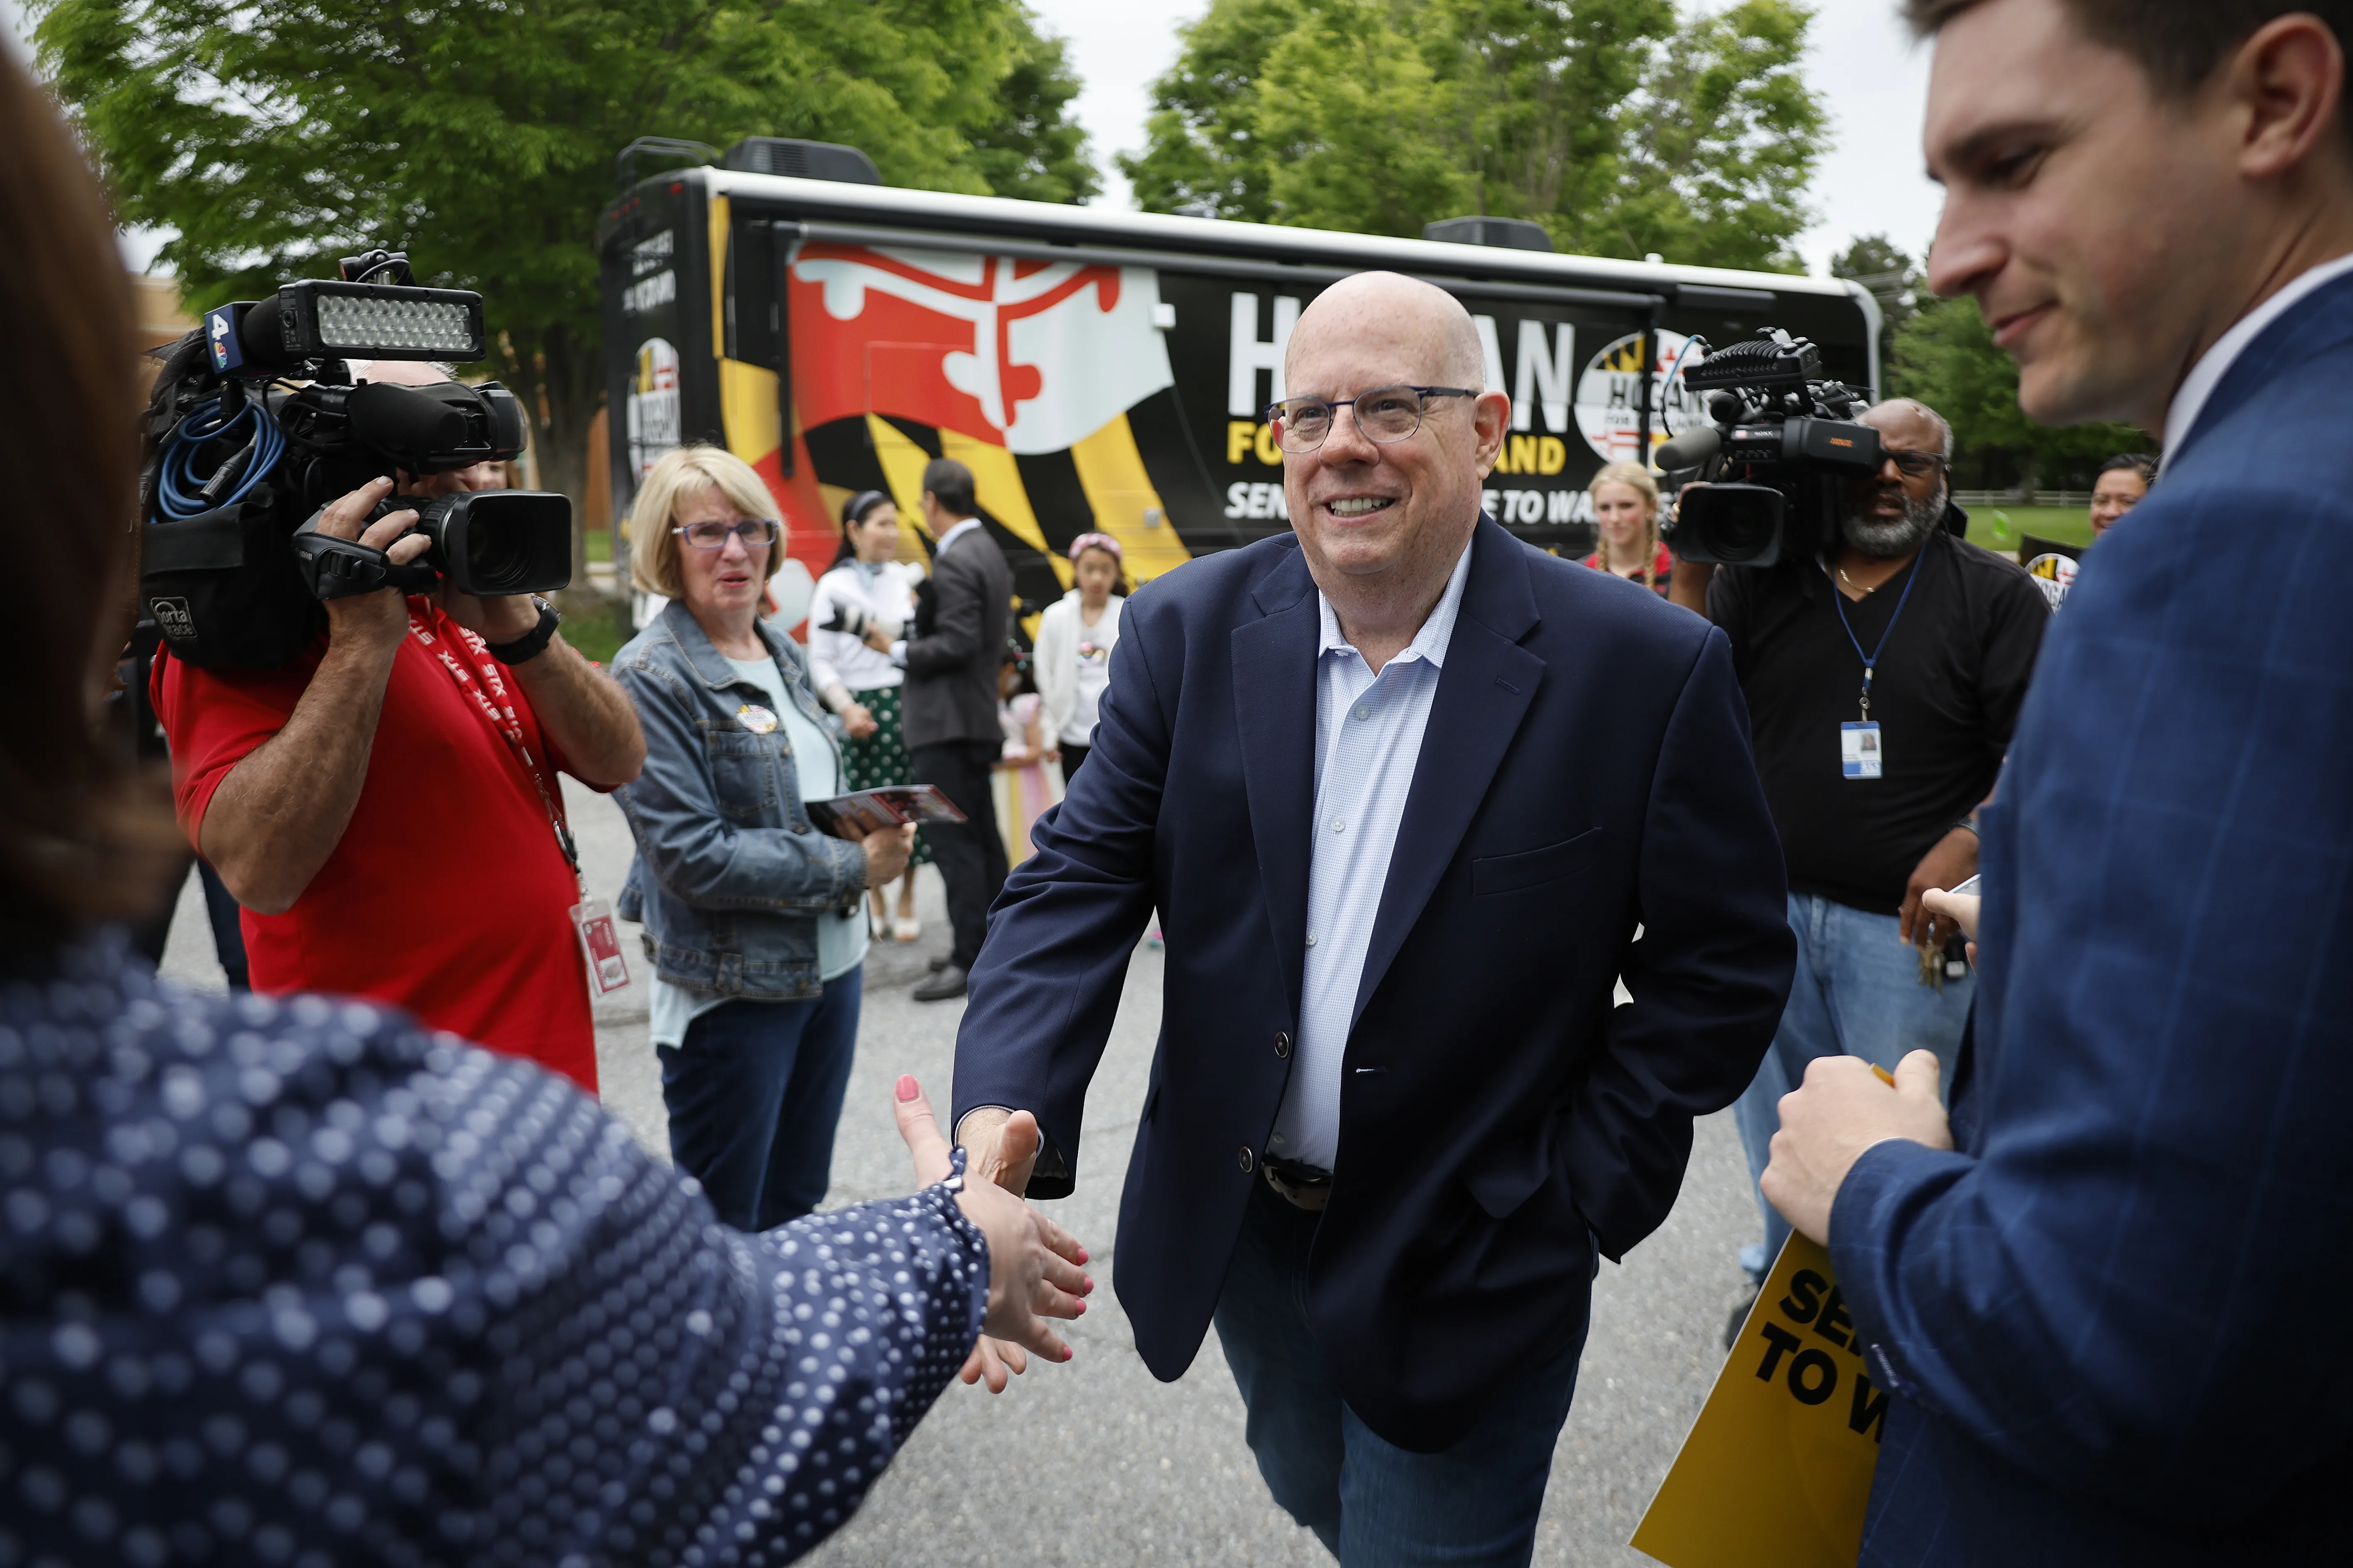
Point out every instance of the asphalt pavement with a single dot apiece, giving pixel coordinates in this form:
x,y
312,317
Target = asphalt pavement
x,y
1095,1462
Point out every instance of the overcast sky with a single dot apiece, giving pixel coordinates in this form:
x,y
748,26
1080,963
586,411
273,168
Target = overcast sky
x,y
1863,63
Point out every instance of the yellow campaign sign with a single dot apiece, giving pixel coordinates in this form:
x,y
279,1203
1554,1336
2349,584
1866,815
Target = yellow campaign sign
x,y
1776,1470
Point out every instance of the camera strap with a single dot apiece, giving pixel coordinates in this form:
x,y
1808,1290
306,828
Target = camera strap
x,y
487,689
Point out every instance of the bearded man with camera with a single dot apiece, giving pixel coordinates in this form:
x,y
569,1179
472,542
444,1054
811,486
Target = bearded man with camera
x,y
386,805
1884,668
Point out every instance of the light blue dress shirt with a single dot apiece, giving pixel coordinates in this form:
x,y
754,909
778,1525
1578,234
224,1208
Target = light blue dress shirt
x,y
1368,732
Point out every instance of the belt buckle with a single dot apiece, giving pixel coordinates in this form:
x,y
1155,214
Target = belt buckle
x,y
1313,1197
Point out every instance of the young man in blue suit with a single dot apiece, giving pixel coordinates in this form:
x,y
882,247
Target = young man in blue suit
x,y
1403,790
2110,1294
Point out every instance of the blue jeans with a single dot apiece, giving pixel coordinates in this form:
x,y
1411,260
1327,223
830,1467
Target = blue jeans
x,y
1373,1504
1857,993
755,1093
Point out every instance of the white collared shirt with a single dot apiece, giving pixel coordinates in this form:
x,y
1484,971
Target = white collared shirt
x,y
1368,732
2216,362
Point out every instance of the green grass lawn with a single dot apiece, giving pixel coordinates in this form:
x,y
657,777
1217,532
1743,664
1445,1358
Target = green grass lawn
x,y
598,627
1999,527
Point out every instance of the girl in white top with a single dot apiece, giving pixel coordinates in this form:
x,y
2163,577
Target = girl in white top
x,y
1075,636
857,682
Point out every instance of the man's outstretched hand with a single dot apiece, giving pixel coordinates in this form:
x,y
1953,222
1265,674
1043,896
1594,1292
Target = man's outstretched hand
x,y
1034,1270
1001,1145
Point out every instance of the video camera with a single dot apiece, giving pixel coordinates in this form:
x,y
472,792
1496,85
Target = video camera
x,y
1776,461
255,426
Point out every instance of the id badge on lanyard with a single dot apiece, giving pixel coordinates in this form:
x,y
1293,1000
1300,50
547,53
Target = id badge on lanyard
x,y
1860,756
1863,751
592,917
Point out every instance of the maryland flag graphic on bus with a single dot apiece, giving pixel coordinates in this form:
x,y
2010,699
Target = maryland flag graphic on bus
x,y
1024,371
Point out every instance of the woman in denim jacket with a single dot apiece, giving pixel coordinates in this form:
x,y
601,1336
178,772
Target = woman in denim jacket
x,y
752,917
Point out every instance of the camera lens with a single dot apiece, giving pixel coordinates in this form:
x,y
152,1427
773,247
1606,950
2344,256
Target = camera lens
x,y
497,557
1743,533
507,542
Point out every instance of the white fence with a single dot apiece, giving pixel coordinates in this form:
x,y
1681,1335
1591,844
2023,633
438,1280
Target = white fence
x,y
1974,499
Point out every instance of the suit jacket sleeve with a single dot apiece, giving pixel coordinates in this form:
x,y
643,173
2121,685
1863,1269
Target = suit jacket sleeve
x,y
1708,975
1047,986
2133,1283
955,637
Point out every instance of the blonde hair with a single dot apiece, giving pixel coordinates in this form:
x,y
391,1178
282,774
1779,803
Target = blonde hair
x,y
678,477
1637,478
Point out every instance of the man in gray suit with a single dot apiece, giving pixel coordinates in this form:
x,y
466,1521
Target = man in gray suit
x,y
949,706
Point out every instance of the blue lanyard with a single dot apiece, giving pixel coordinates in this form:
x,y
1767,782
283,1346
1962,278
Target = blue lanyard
x,y
1871,659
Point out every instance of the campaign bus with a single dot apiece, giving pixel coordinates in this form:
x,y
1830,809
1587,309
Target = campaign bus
x,y
1105,371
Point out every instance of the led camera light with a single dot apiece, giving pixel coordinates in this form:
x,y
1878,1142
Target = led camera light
x,y
325,318
377,325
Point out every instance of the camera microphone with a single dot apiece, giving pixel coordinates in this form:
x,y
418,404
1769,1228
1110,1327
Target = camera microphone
x,y
1695,448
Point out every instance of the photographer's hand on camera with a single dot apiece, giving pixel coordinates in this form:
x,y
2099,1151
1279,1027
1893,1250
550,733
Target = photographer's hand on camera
x,y
281,811
1688,586
377,620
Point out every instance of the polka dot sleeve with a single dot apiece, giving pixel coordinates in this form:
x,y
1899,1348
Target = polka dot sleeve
x,y
292,1281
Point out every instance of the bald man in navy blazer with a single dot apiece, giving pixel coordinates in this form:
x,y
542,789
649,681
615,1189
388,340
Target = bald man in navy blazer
x,y
1404,792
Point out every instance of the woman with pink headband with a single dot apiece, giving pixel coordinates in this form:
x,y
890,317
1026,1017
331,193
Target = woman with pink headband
x,y
1075,636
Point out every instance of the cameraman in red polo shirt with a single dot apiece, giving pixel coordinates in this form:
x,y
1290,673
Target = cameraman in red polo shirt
x,y
386,807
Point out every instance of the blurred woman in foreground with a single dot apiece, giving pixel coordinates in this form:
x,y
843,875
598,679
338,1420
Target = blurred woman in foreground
x,y
290,1279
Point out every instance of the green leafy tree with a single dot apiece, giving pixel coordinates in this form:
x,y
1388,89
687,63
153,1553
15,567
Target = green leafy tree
x,y
481,137
1620,125
1721,144
1031,147
1358,126
1946,356
1202,151
1890,274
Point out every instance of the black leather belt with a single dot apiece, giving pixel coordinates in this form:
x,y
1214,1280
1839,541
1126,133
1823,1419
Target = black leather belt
x,y
1303,1187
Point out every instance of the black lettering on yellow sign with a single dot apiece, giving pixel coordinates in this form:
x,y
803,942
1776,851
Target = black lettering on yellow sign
x,y
1778,1340
1833,1319
1812,1375
1805,1297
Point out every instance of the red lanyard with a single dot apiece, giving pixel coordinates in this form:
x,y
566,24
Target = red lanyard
x,y
483,683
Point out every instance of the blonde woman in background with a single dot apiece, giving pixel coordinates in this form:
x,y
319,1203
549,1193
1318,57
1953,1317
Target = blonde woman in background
x,y
753,917
1626,508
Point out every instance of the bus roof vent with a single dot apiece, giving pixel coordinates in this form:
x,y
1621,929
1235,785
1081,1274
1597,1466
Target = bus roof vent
x,y
802,160
1510,233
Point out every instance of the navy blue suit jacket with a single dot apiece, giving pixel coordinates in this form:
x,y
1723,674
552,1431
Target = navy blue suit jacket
x,y
1585,771
2116,1320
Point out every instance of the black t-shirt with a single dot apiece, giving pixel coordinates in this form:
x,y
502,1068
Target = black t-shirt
x,y
1946,697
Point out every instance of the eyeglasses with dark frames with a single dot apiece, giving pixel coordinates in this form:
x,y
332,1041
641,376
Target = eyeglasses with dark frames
x,y
1917,465
1386,415
755,532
